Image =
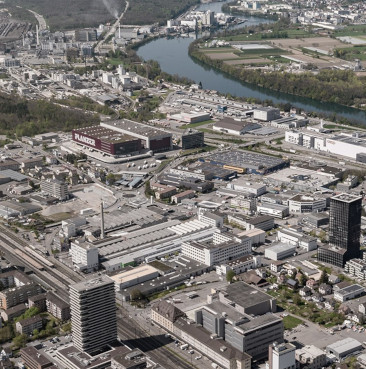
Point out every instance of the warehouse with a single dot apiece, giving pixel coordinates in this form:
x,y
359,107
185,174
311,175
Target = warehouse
x,y
247,162
343,348
152,138
279,251
235,127
106,140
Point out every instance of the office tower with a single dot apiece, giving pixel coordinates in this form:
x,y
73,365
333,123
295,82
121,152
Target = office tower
x,y
93,314
344,230
281,356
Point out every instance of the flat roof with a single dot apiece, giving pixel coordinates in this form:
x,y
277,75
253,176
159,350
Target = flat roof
x,y
346,197
138,272
350,289
246,159
245,295
135,127
344,345
105,134
88,284
260,219
280,247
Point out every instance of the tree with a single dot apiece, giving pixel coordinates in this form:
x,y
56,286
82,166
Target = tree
x,y
302,279
110,179
136,294
230,276
324,277
20,341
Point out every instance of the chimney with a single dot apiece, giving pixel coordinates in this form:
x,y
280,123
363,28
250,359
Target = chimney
x,y
101,221
119,30
37,34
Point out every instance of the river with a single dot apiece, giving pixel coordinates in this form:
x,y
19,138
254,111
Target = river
x,y
172,55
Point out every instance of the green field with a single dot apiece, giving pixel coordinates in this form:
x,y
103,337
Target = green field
x,y
290,322
193,125
356,30
351,53
291,33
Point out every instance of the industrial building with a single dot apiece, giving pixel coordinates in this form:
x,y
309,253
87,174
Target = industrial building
x,y
311,357
343,348
350,145
107,140
85,256
247,162
222,248
152,138
134,276
192,138
297,238
266,114
243,185
349,292
242,315
303,203
235,127
279,251
275,210
95,298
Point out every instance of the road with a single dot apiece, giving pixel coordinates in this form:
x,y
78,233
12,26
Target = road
x,y
41,21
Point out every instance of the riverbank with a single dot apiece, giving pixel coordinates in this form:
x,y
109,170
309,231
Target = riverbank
x,y
334,86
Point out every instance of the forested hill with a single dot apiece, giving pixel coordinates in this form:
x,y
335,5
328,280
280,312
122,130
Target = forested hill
x,y
30,117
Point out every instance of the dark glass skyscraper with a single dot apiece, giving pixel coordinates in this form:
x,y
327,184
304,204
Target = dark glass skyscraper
x,y
344,230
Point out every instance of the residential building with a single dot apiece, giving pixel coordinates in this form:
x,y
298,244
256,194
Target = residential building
x,y
84,256
18,295
38,301
344,230
348,293
13,312
93,313
281,356
57,307
27,326
356,267
55,188
311,357
222,248
165,314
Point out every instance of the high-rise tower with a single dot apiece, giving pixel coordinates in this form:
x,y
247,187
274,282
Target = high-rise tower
x,y
93,314
344,230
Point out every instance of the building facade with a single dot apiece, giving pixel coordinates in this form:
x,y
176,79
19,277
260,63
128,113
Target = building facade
x,y
93,314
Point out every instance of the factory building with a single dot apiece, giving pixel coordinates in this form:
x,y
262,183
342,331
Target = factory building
x,y
247,162
152,138
106,140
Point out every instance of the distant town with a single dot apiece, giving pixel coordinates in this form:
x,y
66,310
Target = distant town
x,y
167,225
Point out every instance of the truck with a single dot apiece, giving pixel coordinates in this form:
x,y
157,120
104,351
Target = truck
x,y
214,365
184,347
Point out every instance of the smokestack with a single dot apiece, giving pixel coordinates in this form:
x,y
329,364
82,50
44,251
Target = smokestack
x,y
101,221
119,30
37,34
151,200
23,41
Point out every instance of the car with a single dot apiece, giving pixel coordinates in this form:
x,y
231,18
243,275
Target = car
x,y
198,357
191,352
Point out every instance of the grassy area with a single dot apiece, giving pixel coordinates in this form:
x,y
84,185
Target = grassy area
x,y
335,126
291,33
198,124
356,30
58,217
198,150
161,294
351,53
290,322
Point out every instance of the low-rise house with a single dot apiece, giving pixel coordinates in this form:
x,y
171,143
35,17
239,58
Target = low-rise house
x,y
362,308
325,289
333,279
330,304
358,318
317,297
305,291
311,283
